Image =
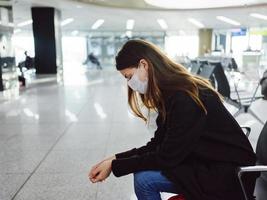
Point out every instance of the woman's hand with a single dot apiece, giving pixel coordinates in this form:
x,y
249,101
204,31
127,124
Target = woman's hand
x,y
110,158
101,170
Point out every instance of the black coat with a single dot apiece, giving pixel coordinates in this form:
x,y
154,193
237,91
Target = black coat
x,y
198,152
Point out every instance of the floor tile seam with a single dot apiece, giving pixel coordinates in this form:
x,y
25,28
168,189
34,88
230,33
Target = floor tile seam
x,y
105,151
82,108
39,164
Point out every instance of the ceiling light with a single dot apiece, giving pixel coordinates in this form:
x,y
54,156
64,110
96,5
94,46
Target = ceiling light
x,y
196,22
259,16
97,24
228,20
182,32
66,21
11,24
129,24
17,31
128,34
162,24
25,23
74,33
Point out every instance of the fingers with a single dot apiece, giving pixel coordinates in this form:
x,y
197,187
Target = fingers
x,y
93,173
97,175
97,172
96,168
95,180
98,178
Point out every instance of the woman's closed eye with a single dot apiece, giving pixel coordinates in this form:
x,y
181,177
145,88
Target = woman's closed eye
x,y
127,77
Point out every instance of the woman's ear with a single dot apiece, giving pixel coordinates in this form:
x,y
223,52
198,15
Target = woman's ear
x,y
144,63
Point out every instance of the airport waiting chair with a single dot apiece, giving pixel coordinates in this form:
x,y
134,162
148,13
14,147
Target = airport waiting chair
x,y
215,73
207,72
260,190
233,65
261,184
202,62
195,68
223,87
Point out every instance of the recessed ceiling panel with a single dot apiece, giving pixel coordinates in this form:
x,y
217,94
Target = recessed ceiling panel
x,y
174,4
202,4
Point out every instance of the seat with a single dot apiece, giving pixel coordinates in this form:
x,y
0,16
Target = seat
x,y
261,184
177,197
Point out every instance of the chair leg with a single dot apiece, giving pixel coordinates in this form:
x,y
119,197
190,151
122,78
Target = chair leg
x,y
240,111
255,116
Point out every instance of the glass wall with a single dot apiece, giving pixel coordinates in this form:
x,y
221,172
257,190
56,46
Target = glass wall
x,y
103,45
23,43
8,75
106,47
75,55
179,46
238,43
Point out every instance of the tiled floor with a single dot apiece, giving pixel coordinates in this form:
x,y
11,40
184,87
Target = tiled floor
x,y
51,135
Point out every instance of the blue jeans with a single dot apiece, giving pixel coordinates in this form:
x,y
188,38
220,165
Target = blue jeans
x,y
149,184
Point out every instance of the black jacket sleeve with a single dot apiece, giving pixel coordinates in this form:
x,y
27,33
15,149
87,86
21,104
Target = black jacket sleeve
x,y
185,121
150,146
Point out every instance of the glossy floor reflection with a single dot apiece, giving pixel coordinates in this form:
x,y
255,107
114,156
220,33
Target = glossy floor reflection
x,y
51,135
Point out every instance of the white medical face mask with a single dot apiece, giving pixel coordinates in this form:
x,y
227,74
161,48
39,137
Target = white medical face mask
x,y
136,84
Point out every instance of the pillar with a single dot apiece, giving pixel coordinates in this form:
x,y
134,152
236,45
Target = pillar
x,y
47,39
205,41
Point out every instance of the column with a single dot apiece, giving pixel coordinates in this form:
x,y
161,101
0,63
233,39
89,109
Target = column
x,y
47,40
205,39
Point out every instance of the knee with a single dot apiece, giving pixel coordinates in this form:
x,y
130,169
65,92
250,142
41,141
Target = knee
x,y
140,180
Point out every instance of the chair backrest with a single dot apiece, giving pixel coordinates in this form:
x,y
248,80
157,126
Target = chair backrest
x,y
233,64
207,71
223,86
195,68
202,62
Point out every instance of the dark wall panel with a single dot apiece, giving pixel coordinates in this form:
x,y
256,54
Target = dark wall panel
x,y
45,40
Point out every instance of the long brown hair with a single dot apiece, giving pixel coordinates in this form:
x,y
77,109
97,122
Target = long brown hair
x,y
164,75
